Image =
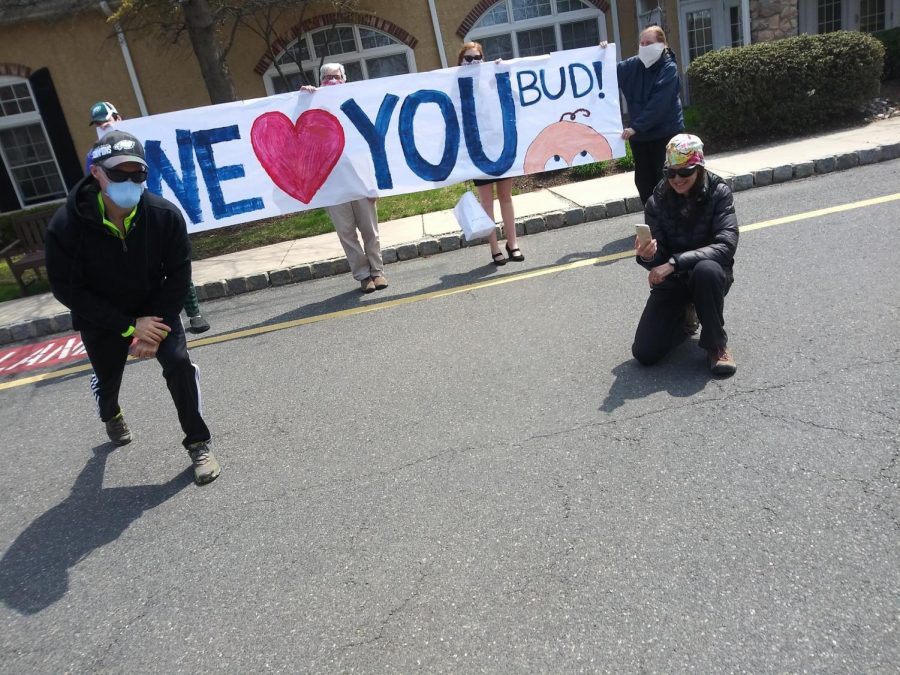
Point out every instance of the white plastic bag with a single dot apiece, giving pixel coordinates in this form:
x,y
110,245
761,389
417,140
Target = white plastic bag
x,y
475,223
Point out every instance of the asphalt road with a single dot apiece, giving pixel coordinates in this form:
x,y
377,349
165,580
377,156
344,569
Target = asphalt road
x,y
486,481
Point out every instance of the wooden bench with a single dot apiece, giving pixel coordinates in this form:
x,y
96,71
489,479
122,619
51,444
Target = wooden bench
x,y
26,252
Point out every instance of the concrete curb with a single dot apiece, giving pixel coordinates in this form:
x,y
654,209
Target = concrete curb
x,y
430,246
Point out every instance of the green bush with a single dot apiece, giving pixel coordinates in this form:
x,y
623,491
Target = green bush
x,y
787,86
891,41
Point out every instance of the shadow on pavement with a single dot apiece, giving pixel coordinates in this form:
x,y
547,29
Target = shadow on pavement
x,y
34,572
354,299
617,246
682,373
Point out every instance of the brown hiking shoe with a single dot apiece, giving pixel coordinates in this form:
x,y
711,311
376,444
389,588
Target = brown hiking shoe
x,y
691,320
721,362
380,282
367,285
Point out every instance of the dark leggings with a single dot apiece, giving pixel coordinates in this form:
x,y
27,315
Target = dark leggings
x,y
649,157
662,324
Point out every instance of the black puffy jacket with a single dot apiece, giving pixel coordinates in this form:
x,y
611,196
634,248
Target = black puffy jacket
x,y
702,226
108,281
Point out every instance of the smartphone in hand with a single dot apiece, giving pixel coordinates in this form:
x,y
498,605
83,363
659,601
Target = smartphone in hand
x,y
643,233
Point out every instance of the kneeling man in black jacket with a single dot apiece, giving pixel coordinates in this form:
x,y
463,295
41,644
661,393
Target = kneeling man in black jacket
x,y
690,255
120,259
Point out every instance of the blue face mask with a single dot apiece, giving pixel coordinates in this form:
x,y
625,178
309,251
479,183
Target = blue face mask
x,y
126,194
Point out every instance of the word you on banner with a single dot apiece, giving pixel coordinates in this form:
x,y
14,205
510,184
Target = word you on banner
x,y
235,162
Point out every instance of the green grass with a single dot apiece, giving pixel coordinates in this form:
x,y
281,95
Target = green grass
x,y
416,203
309,223
597,169
9,289
260,233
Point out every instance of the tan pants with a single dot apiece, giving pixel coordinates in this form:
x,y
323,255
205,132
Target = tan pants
x,y
359,215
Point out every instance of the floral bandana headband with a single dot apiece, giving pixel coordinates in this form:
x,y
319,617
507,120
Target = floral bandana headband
x,y
684,150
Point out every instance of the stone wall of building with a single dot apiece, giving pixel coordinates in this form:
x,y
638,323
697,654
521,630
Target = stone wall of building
x,y
773,19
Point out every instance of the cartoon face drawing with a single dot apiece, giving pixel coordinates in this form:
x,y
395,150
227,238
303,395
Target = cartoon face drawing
x,y
566,143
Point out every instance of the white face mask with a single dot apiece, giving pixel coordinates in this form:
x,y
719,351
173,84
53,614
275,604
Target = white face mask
x,y
649,54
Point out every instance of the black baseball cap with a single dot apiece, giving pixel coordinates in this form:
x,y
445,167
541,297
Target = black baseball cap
x,y
117,147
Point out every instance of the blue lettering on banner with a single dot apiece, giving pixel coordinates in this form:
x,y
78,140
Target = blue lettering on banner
x,y
530,93
471,131
214,176
562,84
524,88
598,69
590,85
185,186
418,164
161,169
374,134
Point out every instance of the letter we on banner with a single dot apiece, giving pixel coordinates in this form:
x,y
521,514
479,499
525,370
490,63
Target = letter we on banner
x,y
236,162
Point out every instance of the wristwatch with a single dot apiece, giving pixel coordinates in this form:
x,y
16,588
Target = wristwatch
x,y
672,261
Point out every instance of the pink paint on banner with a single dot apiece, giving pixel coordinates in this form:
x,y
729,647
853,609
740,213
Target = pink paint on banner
x,y
298,157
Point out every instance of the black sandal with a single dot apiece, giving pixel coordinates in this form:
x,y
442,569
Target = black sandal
x,y
498,259
514,254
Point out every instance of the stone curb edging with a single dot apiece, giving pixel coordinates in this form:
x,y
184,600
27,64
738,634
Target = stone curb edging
x,y
429,246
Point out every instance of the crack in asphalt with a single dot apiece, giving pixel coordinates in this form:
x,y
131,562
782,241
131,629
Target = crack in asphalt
x,y
383,624
798,420
392,471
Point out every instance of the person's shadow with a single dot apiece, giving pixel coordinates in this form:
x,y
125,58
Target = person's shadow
x,y
34,572
610,248
680,374
354,299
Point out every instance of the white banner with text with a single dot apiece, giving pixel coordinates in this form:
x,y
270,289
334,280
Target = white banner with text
x,y
236,162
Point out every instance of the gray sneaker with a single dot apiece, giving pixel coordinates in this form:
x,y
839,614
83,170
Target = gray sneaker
x,y
198,324
206,468
118,430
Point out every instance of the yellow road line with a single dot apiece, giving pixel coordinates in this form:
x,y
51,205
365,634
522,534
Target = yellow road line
x,y
506,279
821,212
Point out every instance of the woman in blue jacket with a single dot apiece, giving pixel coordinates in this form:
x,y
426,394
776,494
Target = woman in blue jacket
x,y
652,89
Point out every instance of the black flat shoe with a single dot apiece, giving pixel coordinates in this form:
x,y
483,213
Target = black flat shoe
x,y
498,259
514,254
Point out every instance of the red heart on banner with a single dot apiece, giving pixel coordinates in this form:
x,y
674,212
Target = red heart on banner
x,y
298,157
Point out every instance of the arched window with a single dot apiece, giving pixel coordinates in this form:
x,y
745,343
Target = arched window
x,y
366,53
25,149
515,28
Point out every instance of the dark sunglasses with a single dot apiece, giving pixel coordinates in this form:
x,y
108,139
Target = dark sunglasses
x,y
468,58
683,171
119,176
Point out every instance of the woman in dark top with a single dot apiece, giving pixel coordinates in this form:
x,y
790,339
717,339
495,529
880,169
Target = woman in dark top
x,y
690,256
652,89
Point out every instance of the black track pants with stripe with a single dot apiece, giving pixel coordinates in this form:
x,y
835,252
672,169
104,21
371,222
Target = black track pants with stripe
x,y
108,353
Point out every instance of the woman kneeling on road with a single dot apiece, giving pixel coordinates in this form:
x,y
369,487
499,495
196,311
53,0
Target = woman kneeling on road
x,y
690,255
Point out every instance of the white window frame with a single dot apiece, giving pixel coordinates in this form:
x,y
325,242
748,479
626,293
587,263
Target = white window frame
x,y
690,6
850,11
554,19
649,13
720,20
24,120
360,54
